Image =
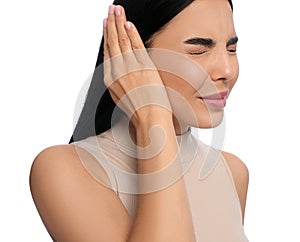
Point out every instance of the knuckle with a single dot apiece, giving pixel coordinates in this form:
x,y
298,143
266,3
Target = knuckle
x,y
111,41
105,55
136,44
123,40
107,80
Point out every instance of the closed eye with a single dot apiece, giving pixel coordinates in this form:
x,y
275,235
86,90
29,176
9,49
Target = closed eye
x,y
209,43
232,49
232,44
198,52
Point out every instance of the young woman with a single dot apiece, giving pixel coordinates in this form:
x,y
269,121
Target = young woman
x,y
133,171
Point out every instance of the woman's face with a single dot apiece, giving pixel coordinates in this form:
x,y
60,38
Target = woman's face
x,y
198,82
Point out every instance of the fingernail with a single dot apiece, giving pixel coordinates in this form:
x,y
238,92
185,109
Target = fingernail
x,y
111,9
117,10
128,25
105,22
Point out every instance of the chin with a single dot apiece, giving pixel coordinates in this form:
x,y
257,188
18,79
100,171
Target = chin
x,y
195,114
211,119
203,120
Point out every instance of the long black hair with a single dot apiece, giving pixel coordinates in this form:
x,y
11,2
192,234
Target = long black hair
x,y
149,16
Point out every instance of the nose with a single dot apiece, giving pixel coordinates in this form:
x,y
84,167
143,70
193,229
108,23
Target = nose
x,y
221,67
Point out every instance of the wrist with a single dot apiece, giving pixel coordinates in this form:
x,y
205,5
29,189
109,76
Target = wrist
x,y
150,116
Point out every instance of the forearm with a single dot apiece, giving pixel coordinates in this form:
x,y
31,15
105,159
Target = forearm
x,y
162,215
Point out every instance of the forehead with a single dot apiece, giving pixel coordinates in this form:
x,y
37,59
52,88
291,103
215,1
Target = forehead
x,y
205,17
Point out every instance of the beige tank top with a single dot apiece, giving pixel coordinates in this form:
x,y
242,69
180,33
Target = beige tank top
x,y
213,199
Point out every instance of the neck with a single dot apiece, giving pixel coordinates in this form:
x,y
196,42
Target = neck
x,y
180,128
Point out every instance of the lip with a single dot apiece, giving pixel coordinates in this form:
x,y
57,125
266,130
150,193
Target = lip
x,y
216,100
217,96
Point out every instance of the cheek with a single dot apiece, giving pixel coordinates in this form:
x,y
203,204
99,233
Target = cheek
x,y
235,78
177,84
181,96
178,71
186,106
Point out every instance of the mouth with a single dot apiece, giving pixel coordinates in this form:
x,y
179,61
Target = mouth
x,y
216,100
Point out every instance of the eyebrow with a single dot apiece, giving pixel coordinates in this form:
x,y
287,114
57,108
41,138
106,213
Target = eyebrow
x,y
200,41
209,42
232,41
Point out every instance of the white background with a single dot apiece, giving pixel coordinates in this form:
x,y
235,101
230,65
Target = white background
x,y
49,48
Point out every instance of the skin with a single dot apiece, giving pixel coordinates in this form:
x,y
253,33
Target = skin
x,y
70,202
202,20
205,21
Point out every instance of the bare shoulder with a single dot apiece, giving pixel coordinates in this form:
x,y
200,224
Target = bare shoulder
x,y
72,204
240,175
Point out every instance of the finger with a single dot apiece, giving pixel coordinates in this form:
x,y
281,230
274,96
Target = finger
x,y
117,64
120,19
112,34
130,61
106,59
105,47
137,45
